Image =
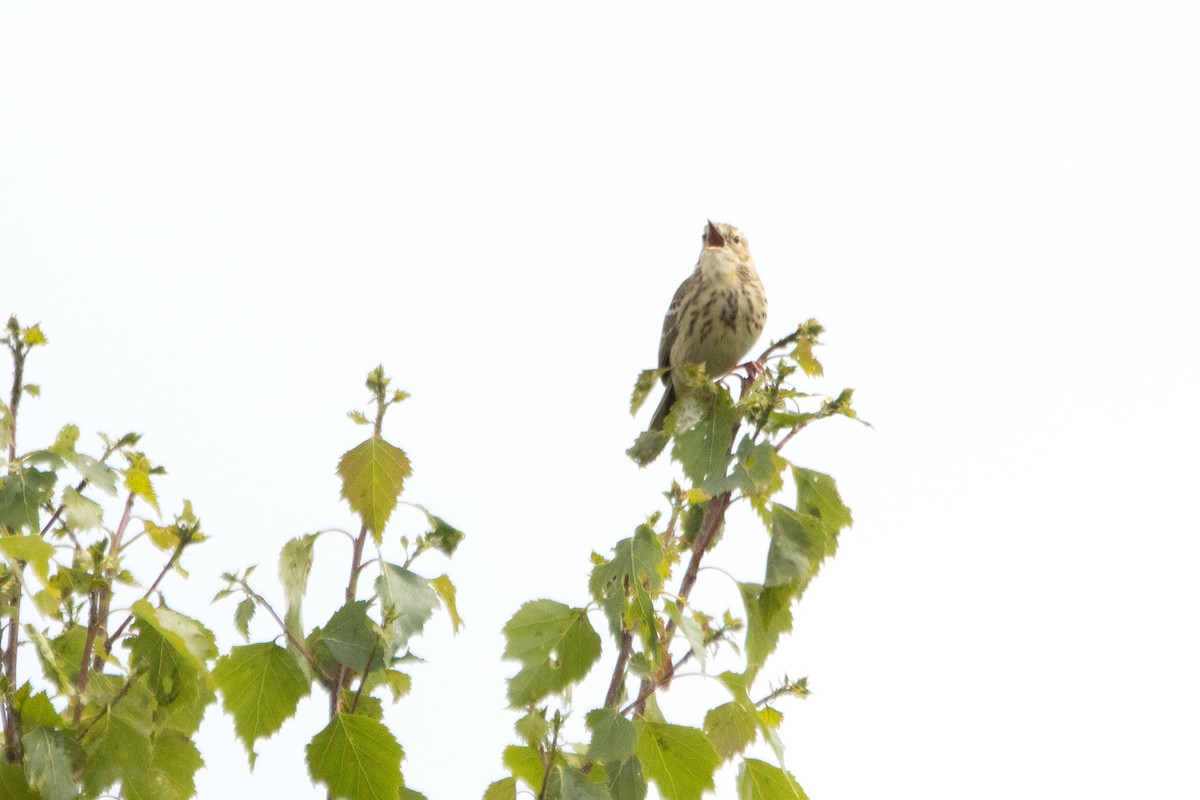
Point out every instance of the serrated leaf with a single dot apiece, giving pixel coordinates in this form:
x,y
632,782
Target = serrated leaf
x,y
97,474
613,736
357,758
115,752
373,476
525,763
408,602
449,594
137,478
295,563
178,760
757,471
568,783
731,727
635,565
532,728
243,615
399,683
704,450
817,494
261,685
444,536
351,636
799,543
680,760
186,635
626,781
13,785
647,447
503,789
33,550
556,646
758,780
24,491
358,417
173,650
768,614
50,759
82,513
690,630
645,383
64,442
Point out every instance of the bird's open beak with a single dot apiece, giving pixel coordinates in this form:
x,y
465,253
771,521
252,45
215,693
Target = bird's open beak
x,y
712,236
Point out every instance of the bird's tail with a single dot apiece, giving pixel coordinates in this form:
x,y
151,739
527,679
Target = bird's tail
x,y
664,408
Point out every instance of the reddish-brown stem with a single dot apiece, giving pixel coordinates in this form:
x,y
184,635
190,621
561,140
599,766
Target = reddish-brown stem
x,y
342,677
97,621
618,677
183,542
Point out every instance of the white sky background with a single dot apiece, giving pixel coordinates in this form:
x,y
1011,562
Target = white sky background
x,y
225,214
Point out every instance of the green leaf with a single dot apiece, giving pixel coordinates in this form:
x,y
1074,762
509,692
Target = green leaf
x,y
372,479
178,760
351,636
116,750
444,536
261,685
768,614
626,781
187,636
532,728
680,760
24,491
758,471
399,683
356,758
635,563
568,783
731,727
97,474
410,794
817,494
503,789
445,589
64,442
647,446
243,615
33,550
295,563
525,763
556,646
50,758
691,631
137,478
613,736
758,780
408,602
37,710
83,514
642,387
703,450
174,651
799,543
13,785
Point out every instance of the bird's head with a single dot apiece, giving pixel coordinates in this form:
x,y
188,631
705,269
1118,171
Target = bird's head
x,y
725,243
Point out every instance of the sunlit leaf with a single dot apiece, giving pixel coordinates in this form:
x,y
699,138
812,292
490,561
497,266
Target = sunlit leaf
x,y
680,760
556,646
758,780
357,758
373,476
261,685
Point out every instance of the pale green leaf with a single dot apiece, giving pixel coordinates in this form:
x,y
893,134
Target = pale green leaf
x,y
243,615
261,685
524,763
646,380
83,514
176,758
768,614
532,727
731,727
115,751
758,780
568,783
680,760
449,594
373,476
357,758
613,736
817,494
556,645
408,602
50,759
626,781
137,478
295,563
33,550
97,474
503,789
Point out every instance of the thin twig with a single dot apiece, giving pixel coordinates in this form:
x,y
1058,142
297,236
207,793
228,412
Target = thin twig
x,y
184,541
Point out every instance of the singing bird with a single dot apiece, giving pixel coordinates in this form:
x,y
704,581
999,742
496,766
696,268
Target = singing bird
x,y
715,317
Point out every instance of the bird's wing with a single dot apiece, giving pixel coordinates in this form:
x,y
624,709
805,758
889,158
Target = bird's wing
x,y
671,322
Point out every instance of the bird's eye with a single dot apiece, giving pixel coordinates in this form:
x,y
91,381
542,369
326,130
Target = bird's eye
x,y
737,240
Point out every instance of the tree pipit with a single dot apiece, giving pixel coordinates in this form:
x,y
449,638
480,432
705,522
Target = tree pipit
x,y
715,317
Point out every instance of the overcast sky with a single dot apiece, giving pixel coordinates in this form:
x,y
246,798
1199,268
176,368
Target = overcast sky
x,y
224,214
